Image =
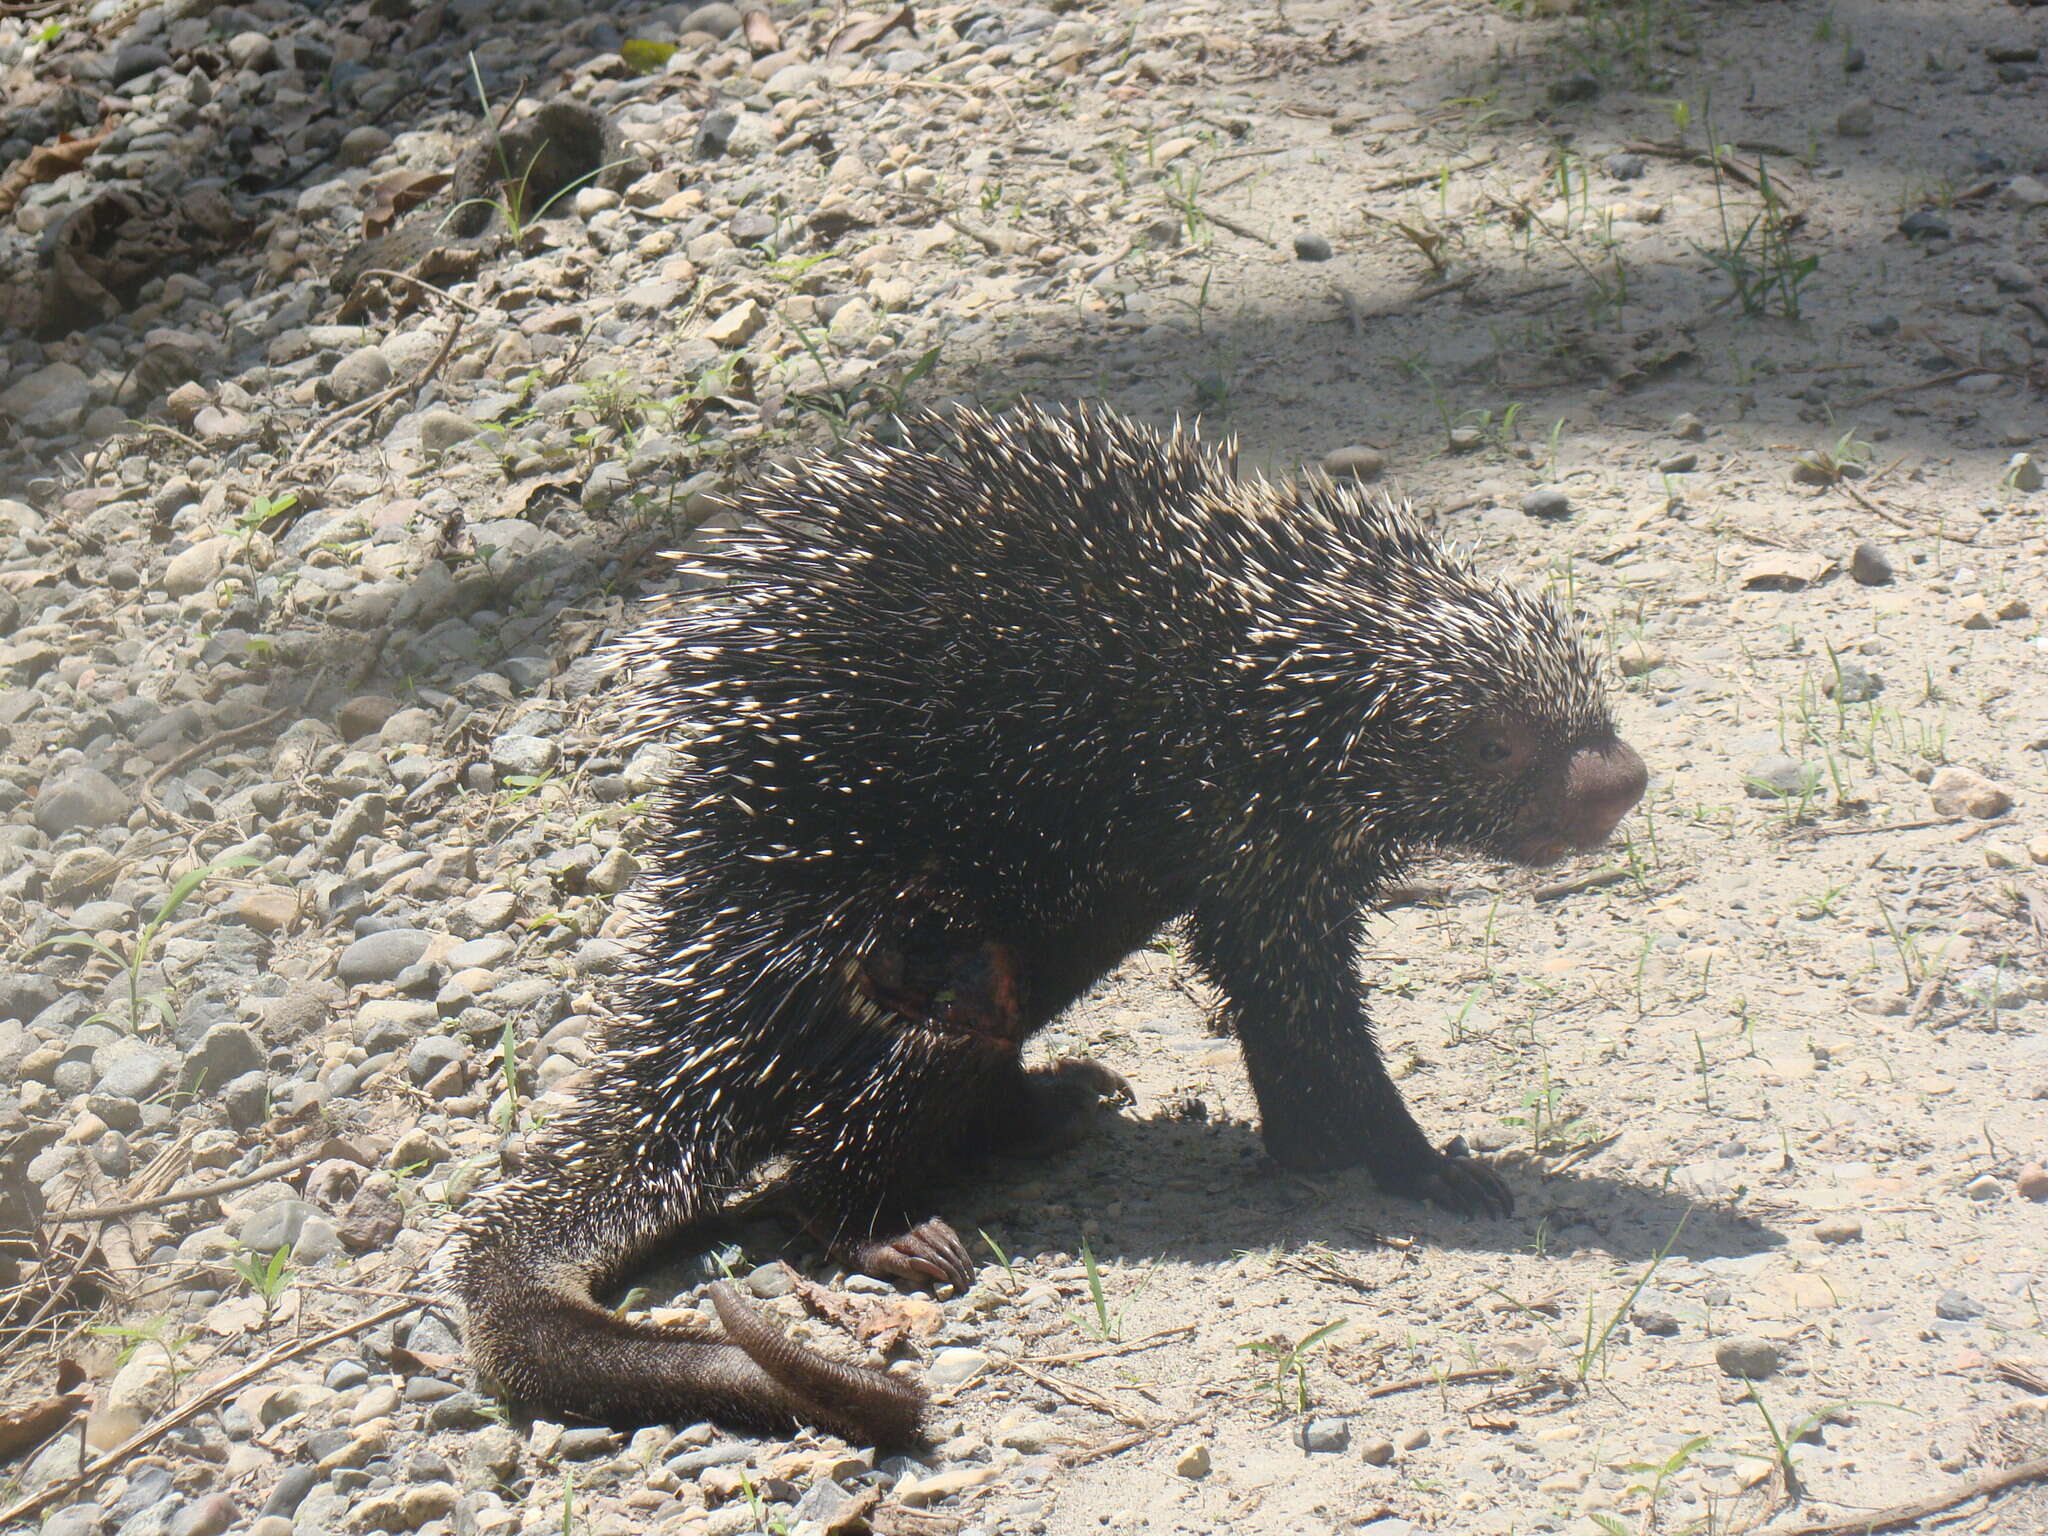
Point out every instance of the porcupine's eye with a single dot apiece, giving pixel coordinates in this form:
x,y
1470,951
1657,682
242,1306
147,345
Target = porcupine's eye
x,y
1494,753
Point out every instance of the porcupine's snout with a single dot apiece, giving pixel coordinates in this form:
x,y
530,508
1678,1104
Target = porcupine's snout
x,y
1580,802
1603,780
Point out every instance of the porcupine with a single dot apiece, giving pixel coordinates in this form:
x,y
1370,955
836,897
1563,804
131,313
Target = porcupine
x,y
977,715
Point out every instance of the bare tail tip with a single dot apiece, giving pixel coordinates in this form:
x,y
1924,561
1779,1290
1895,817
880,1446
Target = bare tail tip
x,y
852,1400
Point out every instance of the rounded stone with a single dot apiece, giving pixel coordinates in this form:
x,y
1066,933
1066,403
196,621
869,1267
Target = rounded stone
x,y
1360,462
80,798
1546,501
1748,1359
381,956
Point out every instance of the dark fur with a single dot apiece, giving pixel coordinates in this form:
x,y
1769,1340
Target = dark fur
x,y
974,718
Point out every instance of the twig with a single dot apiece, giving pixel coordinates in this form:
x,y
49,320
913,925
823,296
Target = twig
x,y
1080,1396
1889,826
1224,221
194,753
374,403
1895,1515
1614,874
1104,1351
192,1192
1122,1443
187,1411
1906,389
1923,999
1417,1383
1422,178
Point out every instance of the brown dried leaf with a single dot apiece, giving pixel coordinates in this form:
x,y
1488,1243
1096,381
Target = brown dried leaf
x,y
25,1427
761,34
46,162
398,194
858,34
1784,571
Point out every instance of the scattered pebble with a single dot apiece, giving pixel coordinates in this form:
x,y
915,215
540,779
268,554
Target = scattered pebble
x,y
1311,247
1748,1359
1546,501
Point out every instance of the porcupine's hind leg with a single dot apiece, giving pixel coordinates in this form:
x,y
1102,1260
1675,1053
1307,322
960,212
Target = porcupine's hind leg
x,y
533,1253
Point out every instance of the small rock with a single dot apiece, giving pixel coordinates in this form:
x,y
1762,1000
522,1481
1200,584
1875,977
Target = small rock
x,y
1546,501
1312,247
770,1281
1637,658
736,325
2023,472
358,376
1324,1435
224,1053
267,908
364,715
441,429
1953,1306
1747,1359
2032,1182
1688,428
1377,1453
1959,791
1852,683
1870,566
1467,439
1661,1325
1984,1187
381,956
1678,464
2010,277
952,1367
1857,120
1778,778
80,798
1193,1462
1355,463
2020,192
196,569
530,756
363,143
1839,1229
1626,166
1924,224
47,401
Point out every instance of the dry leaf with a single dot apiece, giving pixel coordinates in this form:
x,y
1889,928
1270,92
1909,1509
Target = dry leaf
x,y
761,35
1784,571
46,162
28,1426
856,35
398,194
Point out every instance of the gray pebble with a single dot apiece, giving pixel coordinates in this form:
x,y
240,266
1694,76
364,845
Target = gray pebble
x,y
358,376
530,755
1870,566
1546,501
1377,1453
1954,1306
1679,464
950,1367
1311,247
1748,1359
1852,683
80,797
276,1226
381,956
1771,778
131,1070
1657,1324
770,1281
225,1052
441,429
1324,1435
1359,462
1626,166
1924,224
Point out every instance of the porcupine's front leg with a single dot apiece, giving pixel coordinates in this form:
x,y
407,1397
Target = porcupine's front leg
x,y
1296,1007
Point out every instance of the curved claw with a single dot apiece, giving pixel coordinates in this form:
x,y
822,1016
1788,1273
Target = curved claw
x,y
1465,1186
929,1251
1105,1082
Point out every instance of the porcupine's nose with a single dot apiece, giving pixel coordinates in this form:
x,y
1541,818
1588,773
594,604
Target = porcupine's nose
x,y
1603,782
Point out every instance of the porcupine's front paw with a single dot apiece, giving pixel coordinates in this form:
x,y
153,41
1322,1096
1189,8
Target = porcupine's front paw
x,y
930,1251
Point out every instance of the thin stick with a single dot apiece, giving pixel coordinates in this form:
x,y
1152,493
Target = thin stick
x,y
185,1412
1104,1351
1401,183
1417,1383
190,1192
1223,221
193,754
1084,1397
1893,1516
1614,874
